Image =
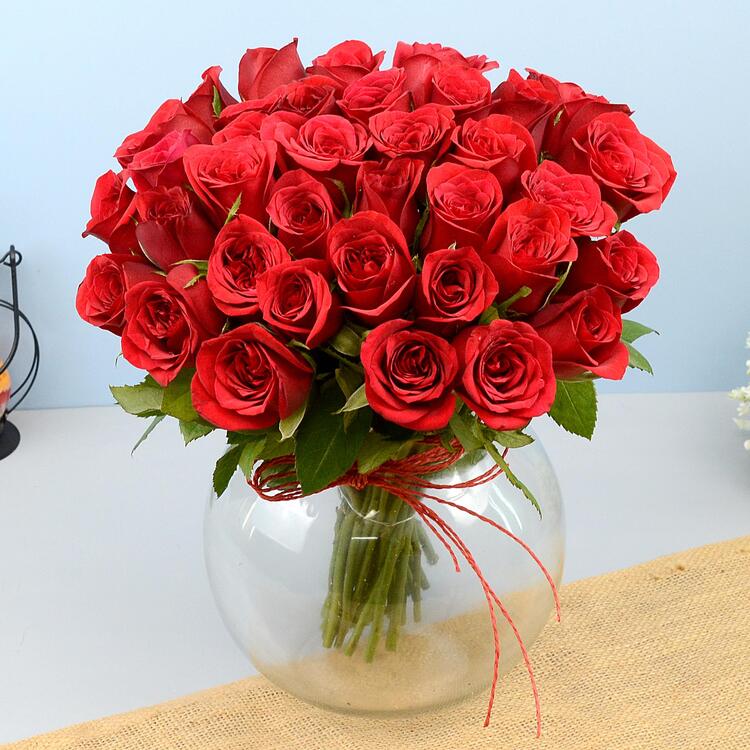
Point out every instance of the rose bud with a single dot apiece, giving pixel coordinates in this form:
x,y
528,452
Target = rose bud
x,y
635,174
464,204
454,288
376,92
390,187
326,143
498,144
246,379
243,250
463,89
219,174
172,227
346,62
263,69
161,165
409,375
100,300
507,376
166,321
372,265
584,332
295,299
620,264
421,60
201,101
423,133
112,210
172,116
525,247
248,123
576,194
302,210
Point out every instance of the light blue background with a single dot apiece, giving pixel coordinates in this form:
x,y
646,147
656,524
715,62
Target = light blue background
x,y
78,76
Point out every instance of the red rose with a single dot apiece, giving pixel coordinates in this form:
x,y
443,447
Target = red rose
x,y
626,268
346,62
314,95
161,165
219,174
263,69
246,379
374,270
172,227
409,375
100,300
295,298
576,194
326,143
172,116
243,250
455,287
507,376
634,173
421,60
584,333
464,204
112,210
461,88
525,247
201,101
247,123
166,321
389,187
422,133
496,143
376,92
302,210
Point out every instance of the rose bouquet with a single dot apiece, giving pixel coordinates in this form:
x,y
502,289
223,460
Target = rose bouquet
x,y
742,395
363,274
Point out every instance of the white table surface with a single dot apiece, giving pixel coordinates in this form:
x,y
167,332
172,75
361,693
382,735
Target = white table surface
x,y
104,601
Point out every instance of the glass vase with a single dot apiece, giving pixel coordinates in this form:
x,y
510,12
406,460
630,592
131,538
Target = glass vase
x,y
349,601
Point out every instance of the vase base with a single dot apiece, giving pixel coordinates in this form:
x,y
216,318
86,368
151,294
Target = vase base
x,y
10,437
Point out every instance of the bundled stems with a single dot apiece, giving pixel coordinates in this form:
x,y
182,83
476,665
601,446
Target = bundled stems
x,y
376,568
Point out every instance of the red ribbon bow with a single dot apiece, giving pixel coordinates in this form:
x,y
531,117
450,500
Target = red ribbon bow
x,y
276,480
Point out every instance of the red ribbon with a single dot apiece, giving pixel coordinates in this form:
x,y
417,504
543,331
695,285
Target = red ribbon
x,y
276,480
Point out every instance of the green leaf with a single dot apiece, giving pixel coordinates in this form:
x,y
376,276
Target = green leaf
x,y
288,426
275,446
177,400
349,380
326,448
250,453
347,342
216,102
632,331
637,360
357,400
512,478
512,438
225,468
462,425
233,210
376,450
574,408
420,226
194,430
200,265
155,421
142,400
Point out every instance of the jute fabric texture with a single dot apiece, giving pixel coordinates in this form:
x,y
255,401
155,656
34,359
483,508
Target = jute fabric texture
x,y
652,657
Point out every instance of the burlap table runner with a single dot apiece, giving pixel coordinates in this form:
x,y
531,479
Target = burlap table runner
x,y
656,656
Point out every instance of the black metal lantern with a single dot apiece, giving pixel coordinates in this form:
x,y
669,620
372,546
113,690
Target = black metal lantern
x,y
9,435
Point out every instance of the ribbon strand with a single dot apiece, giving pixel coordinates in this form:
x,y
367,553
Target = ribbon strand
x,y
275,480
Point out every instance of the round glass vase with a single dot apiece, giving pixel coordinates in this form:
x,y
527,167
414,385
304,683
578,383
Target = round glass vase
x,y
347,600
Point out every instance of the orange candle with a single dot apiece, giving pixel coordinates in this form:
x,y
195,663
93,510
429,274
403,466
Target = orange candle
x,y
4,390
